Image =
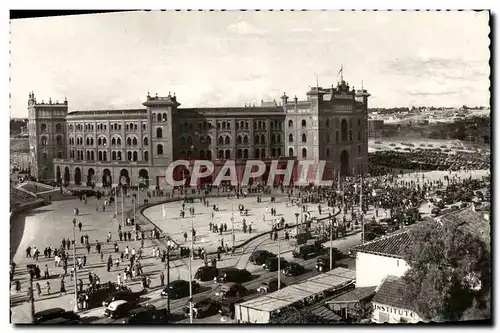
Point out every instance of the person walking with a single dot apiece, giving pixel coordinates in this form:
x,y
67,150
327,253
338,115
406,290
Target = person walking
x,y
80,225
48,287
162,279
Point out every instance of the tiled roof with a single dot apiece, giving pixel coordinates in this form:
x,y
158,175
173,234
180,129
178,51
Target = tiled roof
x,y
354,295
472,221
391,245
390,292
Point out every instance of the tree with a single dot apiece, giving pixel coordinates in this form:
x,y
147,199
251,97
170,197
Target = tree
x,y
449,269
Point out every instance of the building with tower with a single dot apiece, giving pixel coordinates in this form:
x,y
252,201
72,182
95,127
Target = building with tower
x,y
102,146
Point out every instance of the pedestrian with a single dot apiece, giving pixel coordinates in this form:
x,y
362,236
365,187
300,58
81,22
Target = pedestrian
x,y
80,225
80,285
63,289
84,260
162,279
48,287
185,236
38,289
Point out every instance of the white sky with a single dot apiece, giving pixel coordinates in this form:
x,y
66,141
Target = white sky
x,y
111,61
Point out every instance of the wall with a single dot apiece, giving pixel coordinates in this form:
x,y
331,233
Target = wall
x,y
371,269
396,315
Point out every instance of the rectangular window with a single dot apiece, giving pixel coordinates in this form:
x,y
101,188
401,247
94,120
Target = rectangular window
x,y
383,318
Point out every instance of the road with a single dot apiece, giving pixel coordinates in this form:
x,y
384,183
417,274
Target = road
x,y
242,261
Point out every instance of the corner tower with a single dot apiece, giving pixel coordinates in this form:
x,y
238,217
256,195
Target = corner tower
x,y
47,136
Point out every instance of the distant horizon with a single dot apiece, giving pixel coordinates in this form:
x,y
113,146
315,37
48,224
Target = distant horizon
x,y
227,59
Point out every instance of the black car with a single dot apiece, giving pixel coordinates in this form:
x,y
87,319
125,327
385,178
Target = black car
x,y
147,314
232,274
293,269
179,289
203,307
231,289
259,257
271,286
305,251
271,264
121,295
323,263
205,273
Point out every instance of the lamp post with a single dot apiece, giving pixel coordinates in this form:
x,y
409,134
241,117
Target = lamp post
x,y
279,264
331,243
168,274
74,268
190,276
232,223
297,223
116,201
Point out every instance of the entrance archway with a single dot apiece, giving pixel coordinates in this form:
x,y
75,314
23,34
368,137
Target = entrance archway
x,y
66,175
143,177
106,178
58,174
78,176
124,173
90,174
344,163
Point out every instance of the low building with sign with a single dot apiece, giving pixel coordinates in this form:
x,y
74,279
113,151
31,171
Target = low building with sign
x,y
389,305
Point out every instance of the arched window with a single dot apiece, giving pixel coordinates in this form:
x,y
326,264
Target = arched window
x,y
58,128
278,138
134,141
262,153
159,149
104,156
303,123
164,117
228,153
158,117
273,152
113,141
343,130
304,153
100,155
145,141
135,156
221,140
227,140
218,125
273,138
146,156
129,141
262,138
304,137
119,141
88,154
223,125
256,139
104,141
99,141
238,139
129,156
209,140
92,155
221,154
119,157
44,140
159,132
239,152
279,152
245,139
43,128
237,124
290,137
113,155
256,153
228,125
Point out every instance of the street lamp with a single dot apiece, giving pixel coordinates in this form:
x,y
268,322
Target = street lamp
x,y
232,223
191,254
74,268
297,223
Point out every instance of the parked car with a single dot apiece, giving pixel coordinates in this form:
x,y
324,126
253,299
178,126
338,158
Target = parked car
x,y
305,251
179,289
323,263
119,309
121,295
148,314
270,286
271,264
205,273
203,307
293,269
231,289
259,257
232,274
55,314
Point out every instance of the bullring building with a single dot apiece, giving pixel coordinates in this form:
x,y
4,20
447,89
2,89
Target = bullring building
x,y
102,146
